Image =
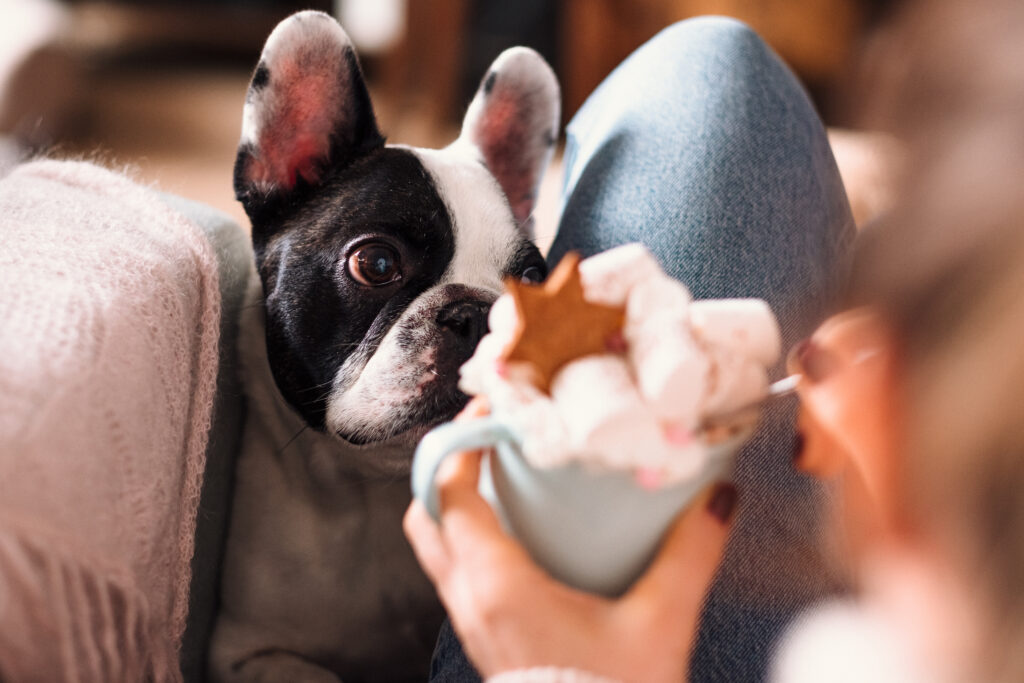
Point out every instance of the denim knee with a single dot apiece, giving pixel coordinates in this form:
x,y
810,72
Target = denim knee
x,y
718,29
722,36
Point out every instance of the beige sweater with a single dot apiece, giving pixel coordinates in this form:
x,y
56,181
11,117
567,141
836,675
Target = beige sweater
x,y
109,314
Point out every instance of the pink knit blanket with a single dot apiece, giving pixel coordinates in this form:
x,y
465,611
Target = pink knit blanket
x,y
109,322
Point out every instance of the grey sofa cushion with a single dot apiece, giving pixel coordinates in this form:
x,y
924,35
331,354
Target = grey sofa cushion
x,y
234,256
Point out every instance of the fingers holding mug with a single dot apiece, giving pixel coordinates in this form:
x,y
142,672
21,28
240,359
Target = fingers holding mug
x,y
478,406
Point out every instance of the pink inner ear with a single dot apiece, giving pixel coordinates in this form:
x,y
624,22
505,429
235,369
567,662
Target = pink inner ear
x,y
295,135
503,135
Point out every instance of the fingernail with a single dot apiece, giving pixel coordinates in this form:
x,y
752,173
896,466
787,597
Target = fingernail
x,y
723,501
798,446
815,363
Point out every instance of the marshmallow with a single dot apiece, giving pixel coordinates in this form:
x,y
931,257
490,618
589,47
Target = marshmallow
x,y
609,277
671,370
503,318
675,463
684,361
745,326
475,372
660,300
545,441
735,382
601,408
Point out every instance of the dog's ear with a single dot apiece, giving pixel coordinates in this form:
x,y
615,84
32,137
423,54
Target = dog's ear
x,y
513,121
307,108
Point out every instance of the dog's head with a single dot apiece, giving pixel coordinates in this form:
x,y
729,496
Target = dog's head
x,y
379,263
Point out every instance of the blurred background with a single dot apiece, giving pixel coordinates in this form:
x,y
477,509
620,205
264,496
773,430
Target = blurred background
x,y
158,85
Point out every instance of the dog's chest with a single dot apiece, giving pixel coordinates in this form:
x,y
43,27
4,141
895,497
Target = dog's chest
x,y
317,562
333,556
328,572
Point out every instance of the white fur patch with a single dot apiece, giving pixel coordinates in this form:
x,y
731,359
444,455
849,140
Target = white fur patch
x,y
371,394
486,236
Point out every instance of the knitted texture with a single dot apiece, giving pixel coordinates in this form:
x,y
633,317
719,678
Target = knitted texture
x,y
109,324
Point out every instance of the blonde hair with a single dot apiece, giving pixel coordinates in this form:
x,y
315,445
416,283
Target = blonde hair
x,y
946,269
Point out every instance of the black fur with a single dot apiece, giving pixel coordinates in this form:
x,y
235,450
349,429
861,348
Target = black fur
x,y
260,77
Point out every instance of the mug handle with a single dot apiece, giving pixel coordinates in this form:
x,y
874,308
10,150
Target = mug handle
x,y
441,442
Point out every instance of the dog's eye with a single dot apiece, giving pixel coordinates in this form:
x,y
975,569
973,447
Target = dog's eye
x,y
374,265
532,275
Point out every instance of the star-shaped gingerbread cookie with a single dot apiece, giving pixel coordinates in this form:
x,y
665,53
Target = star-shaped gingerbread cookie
x,y
557,325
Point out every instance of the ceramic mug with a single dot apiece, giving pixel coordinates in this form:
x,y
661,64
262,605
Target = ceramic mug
x,y
594,530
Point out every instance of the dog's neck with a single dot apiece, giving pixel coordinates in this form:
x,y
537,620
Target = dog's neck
x,y
322,460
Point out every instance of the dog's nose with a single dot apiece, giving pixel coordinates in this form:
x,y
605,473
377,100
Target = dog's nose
x,y
467,319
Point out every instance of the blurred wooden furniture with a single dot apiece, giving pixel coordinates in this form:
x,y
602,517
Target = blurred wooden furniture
x,y
420,77
814,36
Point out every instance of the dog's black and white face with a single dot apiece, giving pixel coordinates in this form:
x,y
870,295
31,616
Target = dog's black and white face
x,y
379,263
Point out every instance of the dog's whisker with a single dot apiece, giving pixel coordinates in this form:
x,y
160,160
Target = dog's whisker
x,y
320,385
319,398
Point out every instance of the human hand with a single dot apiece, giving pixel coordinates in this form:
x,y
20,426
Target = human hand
x,y
847,400
511,615
850,419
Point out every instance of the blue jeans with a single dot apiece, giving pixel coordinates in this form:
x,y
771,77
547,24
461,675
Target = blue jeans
x,y
704,147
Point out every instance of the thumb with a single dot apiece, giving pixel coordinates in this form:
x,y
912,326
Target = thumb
x,y
679,578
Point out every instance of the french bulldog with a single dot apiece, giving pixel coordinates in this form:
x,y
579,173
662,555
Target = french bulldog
x,y
375,267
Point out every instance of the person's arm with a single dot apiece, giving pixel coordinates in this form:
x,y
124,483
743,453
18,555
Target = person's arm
x,y
512,616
